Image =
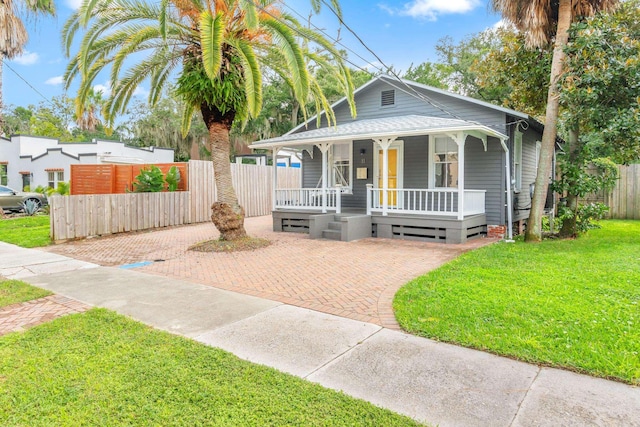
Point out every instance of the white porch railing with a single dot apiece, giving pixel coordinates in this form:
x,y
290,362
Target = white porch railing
x,y
425,201
308,199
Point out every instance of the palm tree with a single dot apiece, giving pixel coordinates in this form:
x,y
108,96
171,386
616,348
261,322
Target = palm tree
x,y
542,21
88,115
13,35
218,49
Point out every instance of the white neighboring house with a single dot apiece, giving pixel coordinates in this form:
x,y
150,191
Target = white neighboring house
x,y
33,160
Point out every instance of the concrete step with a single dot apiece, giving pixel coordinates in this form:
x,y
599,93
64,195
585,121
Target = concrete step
x,y
331,234
335,225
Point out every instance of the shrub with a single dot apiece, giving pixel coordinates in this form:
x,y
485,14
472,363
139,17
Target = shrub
x,y
30,207
172,178
150,180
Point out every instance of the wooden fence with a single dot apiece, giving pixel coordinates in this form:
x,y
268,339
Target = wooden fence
x,y
115,179
624,200
80,216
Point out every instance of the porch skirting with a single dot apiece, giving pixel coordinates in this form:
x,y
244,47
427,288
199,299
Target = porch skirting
x,y
408,227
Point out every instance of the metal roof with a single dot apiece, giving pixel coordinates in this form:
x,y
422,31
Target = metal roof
x,y
386,127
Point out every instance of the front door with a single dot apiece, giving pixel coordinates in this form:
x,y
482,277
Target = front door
x,y
392,154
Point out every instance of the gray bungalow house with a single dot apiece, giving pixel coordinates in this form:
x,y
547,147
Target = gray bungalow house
x,y
417,163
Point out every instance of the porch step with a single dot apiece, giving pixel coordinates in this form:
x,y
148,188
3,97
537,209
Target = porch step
x,y
332,234
335,225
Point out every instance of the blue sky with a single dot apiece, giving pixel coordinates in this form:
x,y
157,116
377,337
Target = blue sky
x,y
400,32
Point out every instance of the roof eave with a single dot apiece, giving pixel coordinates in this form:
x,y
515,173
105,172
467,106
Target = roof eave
x,y
339,138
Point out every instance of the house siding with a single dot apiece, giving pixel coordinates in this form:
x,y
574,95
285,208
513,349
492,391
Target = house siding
x,y
484,171
416,162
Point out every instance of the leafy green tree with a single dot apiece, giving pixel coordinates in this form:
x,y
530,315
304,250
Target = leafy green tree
x,y
543,21
429,73
219,49
13,34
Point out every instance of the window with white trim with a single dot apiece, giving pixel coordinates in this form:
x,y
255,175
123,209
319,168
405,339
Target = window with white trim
x,y
54,178
517,161
445,163
341,165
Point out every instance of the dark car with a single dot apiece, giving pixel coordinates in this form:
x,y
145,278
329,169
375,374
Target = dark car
x,y
12,200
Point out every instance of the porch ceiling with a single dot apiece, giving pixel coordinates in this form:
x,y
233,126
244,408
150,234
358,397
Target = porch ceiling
x,y
386,127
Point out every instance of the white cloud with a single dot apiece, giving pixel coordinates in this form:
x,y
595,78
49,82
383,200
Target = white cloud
x,y
430,9
73,4
27,58
140,91
105,89
54,81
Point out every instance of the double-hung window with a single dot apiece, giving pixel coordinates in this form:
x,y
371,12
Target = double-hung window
x,y
341,165
54,178
445,163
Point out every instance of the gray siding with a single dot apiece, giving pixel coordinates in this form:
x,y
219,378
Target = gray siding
x,y
311,168
416,162
485,171
522,200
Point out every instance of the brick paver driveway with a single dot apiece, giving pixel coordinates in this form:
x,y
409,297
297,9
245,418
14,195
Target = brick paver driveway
x,y
355,279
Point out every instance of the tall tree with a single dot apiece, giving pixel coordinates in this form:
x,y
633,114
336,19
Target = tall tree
x,y
13,34
543,21
219,49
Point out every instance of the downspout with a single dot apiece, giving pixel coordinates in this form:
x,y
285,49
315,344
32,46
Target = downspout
x,y
508,179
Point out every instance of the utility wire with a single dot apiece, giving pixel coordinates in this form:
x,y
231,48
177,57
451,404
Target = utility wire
x,y
335,40
400,80
28,84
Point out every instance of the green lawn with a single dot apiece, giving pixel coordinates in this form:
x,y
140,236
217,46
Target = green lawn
x,y
100,368
15,291
28,231
572,304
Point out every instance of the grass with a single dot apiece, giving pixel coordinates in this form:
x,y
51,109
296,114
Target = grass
x,y
26,231
100,368
15,291
573,304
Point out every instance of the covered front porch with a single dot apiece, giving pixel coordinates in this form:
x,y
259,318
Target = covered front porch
x,y
400,177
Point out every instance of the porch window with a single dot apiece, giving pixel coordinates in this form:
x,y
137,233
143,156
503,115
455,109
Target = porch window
x,y
445,163
341,165
26,181
3,174
517,161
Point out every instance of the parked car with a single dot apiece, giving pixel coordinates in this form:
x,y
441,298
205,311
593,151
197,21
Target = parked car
x,y
12,200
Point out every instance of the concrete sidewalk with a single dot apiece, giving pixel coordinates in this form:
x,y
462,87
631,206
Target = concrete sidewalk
x,y
432,382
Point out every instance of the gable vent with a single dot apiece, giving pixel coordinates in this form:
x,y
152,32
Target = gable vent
x,y
388,97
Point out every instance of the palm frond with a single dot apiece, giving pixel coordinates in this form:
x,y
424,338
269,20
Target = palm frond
x,y
211,39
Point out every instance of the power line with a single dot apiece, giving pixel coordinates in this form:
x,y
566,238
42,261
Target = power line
x,y
400,80
335,40
28,84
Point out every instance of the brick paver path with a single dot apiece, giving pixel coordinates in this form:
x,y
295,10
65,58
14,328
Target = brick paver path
x,y
18,317
355,279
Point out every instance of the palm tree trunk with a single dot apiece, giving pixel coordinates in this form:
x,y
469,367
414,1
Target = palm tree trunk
x,y
227,214
534,223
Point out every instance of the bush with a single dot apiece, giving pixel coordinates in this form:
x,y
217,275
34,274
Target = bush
x,y
172,178
150,180
585,215
30,207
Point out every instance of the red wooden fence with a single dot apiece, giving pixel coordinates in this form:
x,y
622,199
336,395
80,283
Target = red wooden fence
x,y
114,179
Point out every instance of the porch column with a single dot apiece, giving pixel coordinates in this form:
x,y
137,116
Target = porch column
x,y
384,144
460,139
275,177
324,149
507,166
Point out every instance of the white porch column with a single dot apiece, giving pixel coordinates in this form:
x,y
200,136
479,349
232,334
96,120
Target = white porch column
x,y
275,177
384,144
324,149
460,139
